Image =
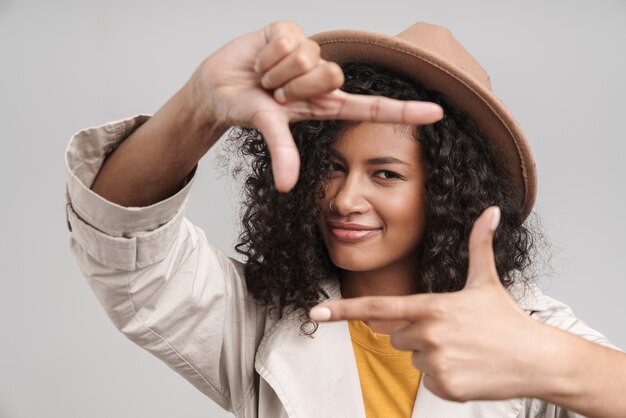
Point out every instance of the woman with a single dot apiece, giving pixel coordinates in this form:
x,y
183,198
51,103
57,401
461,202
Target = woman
x,y
379,209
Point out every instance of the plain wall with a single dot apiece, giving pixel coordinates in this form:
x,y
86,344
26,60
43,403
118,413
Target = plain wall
x,y
558,65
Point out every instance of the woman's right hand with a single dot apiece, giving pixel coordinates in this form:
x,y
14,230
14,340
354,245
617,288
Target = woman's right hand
x,y
275,75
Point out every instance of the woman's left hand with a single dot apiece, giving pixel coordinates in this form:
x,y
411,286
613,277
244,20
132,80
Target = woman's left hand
x,y
476,343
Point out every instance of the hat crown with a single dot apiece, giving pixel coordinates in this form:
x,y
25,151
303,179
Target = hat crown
x,y
439,41
430,55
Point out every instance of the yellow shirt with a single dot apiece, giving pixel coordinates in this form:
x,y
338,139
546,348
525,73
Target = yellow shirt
x,y
389,381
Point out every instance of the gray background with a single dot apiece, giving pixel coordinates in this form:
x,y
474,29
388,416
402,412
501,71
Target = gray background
x,y
64,66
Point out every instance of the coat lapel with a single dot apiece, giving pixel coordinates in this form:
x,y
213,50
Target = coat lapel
x,y
317,376
313,377
428,404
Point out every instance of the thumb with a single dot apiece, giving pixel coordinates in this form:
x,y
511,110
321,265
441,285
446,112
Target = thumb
x,y
482,264
283,150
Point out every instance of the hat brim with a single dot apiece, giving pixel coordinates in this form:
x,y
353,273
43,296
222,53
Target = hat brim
x,y
507,140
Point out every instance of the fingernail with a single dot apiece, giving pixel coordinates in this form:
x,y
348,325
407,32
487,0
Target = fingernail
x,y
495,217
279,95
257,65
320,314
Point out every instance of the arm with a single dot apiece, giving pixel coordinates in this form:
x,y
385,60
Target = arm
x,y
264,80
499,351
153,162
159,280
579,374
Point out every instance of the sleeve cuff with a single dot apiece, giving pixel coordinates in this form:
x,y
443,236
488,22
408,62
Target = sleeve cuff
x,y
121,237
84,157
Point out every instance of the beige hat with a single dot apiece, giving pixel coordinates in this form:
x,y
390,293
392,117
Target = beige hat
x,y
430,55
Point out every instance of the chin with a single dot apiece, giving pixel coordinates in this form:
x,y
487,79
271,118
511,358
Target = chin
x,y
354,262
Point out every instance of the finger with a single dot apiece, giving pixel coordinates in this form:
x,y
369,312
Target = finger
x,y
432,385
408,338
281,38
341,105
283,151
325,78
302,59
418,360
482,265
373,308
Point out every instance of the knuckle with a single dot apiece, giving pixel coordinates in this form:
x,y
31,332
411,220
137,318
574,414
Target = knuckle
x,y
285,24
288,28
303,62
453,389
334,74
375,110
291,25
283,44
429,338
342,311
437,308
375,305
313,50
400,309
315,47
439,366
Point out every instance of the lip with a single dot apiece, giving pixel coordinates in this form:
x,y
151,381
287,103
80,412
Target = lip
x,y
352,232
356,227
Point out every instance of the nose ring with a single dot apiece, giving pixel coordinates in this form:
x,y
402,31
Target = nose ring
x,y
331,206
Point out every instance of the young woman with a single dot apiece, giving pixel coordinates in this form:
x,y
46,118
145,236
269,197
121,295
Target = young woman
x,y
366,191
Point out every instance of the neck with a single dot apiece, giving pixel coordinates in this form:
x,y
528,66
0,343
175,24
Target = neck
x,y
394,280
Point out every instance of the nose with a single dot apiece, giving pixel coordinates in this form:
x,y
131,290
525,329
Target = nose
x,y
349,197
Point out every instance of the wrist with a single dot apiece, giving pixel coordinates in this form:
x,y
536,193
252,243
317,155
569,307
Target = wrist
x,y
557,366
199,102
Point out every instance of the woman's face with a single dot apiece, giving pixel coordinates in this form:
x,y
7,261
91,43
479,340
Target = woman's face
x,y
377,184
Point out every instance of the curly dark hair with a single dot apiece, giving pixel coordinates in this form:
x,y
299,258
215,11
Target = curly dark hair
x,y
286,259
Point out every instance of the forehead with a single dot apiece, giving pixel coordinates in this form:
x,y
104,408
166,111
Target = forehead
x,y
369,139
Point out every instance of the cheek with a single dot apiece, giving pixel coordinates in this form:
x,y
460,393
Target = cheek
x,y
405,218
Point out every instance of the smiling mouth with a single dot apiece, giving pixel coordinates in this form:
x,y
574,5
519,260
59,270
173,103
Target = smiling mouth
x,y
351,235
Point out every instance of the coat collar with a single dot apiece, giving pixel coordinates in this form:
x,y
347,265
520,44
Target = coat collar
x,y
317,376
313,376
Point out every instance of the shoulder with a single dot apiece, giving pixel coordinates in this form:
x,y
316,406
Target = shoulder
x,y
553,312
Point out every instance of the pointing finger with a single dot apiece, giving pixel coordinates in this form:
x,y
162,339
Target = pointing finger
x,y
383,109
373,308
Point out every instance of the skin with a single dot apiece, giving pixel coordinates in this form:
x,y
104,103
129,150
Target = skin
x,y
270,77
384,194
264,79
484,359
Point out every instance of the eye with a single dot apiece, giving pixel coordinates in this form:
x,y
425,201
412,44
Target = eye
x,y
387,175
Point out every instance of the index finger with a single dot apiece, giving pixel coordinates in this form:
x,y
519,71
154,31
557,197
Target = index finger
x,y
361,107
410,308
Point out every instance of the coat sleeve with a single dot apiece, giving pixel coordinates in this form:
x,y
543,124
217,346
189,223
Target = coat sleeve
x,y
162,284
560,315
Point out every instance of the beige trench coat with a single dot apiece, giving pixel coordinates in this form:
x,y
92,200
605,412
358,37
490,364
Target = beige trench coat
x,y
171,292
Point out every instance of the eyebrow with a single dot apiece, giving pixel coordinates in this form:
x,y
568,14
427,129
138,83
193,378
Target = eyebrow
x,y
385,160
373,161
